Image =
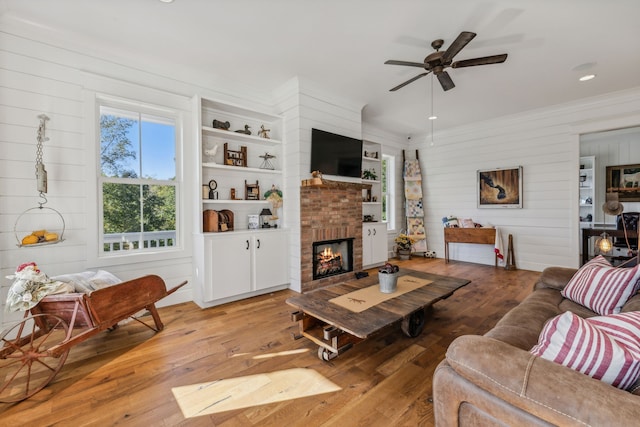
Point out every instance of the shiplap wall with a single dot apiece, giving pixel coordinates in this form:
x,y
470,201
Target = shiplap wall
x,y
546,144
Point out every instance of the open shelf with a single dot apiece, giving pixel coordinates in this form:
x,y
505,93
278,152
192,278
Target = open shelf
x,y
239,137
240,169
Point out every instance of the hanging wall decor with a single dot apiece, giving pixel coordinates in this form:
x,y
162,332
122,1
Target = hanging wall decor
x,y
500,188
40,225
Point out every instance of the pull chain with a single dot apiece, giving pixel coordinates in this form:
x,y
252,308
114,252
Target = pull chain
x,y
41,173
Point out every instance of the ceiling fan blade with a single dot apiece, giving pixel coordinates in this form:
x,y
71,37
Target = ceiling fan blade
x,y
445,81
457,45
401,85
407,63
486,60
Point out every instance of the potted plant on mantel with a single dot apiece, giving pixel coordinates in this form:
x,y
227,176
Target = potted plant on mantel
x,y
403,246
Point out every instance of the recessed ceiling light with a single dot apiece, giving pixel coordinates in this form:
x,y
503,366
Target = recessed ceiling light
x,y
166,1
433,117
587,77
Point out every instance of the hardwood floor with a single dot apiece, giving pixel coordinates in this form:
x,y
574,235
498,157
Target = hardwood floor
x,y
125,377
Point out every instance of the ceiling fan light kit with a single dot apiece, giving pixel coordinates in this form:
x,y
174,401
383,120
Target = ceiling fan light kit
x,y
438,61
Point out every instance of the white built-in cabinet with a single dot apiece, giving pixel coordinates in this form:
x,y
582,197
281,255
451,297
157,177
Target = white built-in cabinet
x,y
374,232
372,164
587,186
587,180
232,265
374,244
243,263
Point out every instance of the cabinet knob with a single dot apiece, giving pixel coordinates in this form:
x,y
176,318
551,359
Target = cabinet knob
x,y
258,243
369,232
374,231
247,244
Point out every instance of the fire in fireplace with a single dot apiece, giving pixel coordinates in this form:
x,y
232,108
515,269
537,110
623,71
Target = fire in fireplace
x,y
331,257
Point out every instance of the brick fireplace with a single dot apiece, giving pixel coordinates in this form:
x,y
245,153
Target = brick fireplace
x,y
330,211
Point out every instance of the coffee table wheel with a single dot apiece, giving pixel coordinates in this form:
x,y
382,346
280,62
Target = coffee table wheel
x,y
413,324
325,354
26,362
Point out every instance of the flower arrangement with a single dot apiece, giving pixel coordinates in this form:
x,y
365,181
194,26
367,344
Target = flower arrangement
x,y
404,242
30,285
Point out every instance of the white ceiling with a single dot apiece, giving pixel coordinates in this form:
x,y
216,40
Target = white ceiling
x,y
341,45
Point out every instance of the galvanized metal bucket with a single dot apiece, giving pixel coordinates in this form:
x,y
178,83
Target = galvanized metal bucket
x,y
388,282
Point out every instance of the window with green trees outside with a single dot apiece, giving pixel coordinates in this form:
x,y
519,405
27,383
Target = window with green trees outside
x,y
137,182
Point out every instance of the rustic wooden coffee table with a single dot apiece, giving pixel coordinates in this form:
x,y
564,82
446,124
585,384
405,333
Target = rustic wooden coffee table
x,y
336,329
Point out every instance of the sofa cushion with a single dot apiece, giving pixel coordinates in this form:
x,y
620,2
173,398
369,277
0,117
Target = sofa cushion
x,y
604,347
602,288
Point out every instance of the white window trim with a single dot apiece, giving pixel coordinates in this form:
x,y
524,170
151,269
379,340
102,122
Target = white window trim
x,y
95,256
391,191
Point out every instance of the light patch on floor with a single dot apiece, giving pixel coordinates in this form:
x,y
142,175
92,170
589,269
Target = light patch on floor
x,y
281,353
252,390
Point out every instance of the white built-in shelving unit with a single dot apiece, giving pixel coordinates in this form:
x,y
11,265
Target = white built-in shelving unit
x,y
374,232
243,262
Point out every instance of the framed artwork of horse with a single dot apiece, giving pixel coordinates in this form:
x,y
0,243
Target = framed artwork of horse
x,y
624,180
500,188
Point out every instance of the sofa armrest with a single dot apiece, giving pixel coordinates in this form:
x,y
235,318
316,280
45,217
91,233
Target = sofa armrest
x,y
536,386
554,277
632,304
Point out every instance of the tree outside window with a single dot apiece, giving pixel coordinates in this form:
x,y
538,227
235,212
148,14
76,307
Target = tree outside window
x,y
137,180
388,190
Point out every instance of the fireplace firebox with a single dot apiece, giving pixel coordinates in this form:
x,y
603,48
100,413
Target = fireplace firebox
x,y
332,257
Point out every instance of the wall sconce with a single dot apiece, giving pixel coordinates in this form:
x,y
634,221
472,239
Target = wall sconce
x,y
603,243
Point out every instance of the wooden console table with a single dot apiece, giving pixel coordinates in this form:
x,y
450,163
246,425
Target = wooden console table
x,y
484,236
587,233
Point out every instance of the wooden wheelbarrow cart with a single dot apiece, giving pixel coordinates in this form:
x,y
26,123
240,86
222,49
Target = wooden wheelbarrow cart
x,y
34,350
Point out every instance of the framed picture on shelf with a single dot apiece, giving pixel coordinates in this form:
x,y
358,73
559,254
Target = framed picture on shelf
x,y
500,188
252,191
624,180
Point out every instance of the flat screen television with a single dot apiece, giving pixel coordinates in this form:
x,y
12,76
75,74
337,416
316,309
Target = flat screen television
x,y
334,154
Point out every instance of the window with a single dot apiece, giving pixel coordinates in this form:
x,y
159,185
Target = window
x,y
138,189
388,191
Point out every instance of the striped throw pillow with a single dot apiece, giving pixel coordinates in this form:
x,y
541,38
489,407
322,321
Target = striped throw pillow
x,y
602,288
606,348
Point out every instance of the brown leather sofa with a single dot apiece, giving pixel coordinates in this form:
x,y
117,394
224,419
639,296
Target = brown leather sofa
x,y
493,380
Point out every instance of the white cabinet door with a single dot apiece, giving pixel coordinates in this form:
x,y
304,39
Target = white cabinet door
x,y
270,262
229,260
374,244
379,243
367,236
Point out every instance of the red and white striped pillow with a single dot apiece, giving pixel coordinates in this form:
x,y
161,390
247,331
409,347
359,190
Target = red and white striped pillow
x,y
606,348
602,288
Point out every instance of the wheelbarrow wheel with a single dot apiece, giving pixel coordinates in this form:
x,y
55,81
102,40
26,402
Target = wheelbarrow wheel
x,y
30,355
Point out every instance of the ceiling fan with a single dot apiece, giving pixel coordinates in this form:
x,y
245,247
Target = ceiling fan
x,y
437,61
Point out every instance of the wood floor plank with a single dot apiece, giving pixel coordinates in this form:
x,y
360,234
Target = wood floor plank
x,y
125,377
